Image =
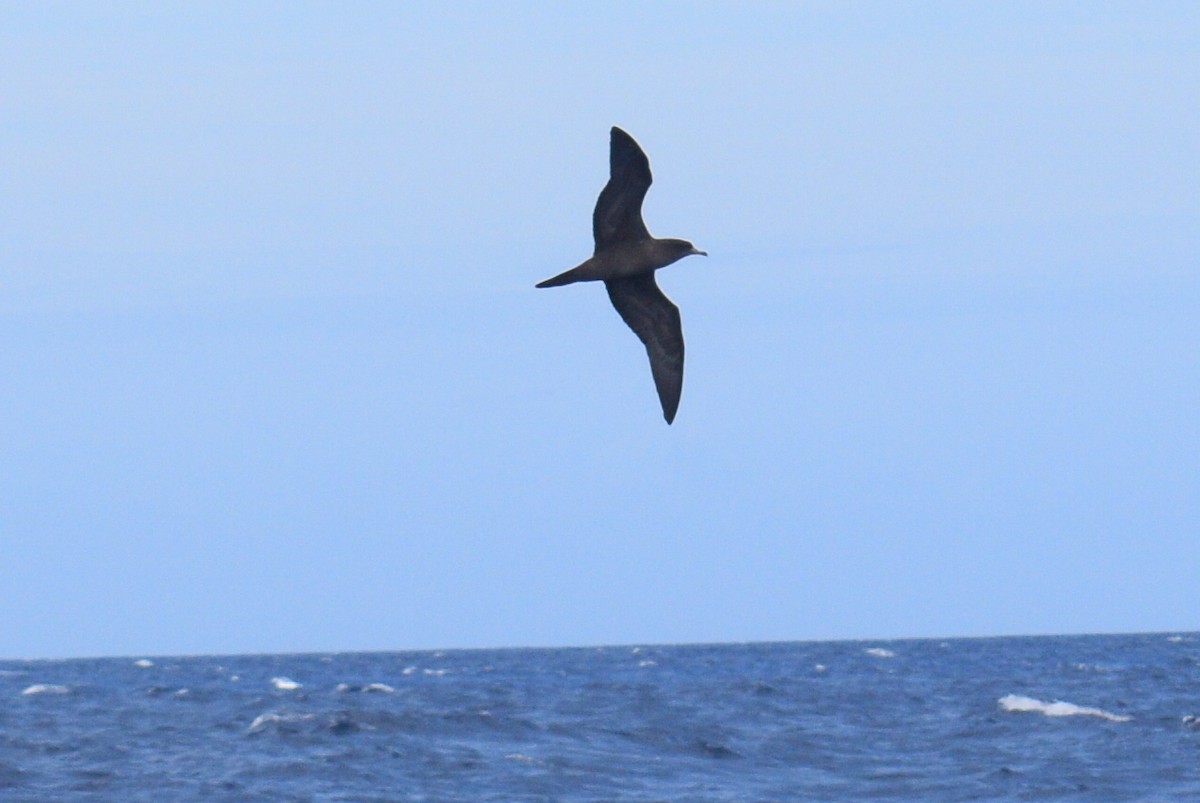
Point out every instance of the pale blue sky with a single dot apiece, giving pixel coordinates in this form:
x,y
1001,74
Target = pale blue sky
x,y
277,378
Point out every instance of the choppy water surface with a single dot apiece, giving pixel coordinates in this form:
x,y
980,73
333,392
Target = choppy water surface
x,y
1064,718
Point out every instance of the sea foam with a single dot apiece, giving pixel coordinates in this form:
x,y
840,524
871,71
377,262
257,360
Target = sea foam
x,y
1018,702
271,719
46,688
370,687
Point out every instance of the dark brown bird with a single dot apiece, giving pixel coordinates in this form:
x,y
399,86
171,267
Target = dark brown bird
x,y
625,259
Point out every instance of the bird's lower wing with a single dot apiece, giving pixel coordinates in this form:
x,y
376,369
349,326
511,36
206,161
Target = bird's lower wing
x,y
655,320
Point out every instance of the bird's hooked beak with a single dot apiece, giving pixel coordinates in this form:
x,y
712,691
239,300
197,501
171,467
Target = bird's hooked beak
x,y
698,252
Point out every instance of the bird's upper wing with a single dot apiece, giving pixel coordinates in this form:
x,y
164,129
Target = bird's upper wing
x,y
618,213
655,320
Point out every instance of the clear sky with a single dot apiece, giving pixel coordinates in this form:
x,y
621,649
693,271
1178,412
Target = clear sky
x,y
276,377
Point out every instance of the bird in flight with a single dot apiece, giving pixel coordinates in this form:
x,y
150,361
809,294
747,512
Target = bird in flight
x,y
626,258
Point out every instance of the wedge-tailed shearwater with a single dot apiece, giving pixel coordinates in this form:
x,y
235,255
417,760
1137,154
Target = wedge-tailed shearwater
x,y
625,259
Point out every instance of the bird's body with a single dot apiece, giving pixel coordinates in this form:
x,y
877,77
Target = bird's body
x,y
625,259
621,261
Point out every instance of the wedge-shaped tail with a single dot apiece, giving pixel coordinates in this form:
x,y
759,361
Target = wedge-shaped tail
x,y
566,277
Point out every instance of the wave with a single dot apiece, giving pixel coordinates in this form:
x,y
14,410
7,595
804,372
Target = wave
x,y
879,652
46,688
284,684
143,662
521,757
370,687
340,723
270,719
1020,703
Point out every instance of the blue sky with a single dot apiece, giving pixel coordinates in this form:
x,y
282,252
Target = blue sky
x,y
277,378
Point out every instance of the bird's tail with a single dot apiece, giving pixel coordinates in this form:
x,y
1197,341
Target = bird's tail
x,y
575,274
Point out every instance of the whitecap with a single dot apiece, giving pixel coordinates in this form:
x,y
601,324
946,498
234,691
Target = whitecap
x,y
879,652
284,684
1192,721
46,688
143,662
408,670
524,759
436,672
1021,703
370,687
820,668
647,663
264,721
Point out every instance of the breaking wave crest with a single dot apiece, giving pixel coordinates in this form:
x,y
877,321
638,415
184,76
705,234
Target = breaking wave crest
x,y
46,688
1020,703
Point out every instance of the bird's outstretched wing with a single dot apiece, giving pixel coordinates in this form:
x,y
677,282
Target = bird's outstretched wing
x,y
655,320
618,213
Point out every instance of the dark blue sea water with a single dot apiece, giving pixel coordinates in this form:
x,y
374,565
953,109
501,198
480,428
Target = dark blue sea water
x,y
1046,718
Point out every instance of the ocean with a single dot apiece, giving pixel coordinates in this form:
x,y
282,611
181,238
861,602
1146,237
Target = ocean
x,y
1090,718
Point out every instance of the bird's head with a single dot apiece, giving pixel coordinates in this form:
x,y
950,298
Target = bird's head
x,y
682,248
